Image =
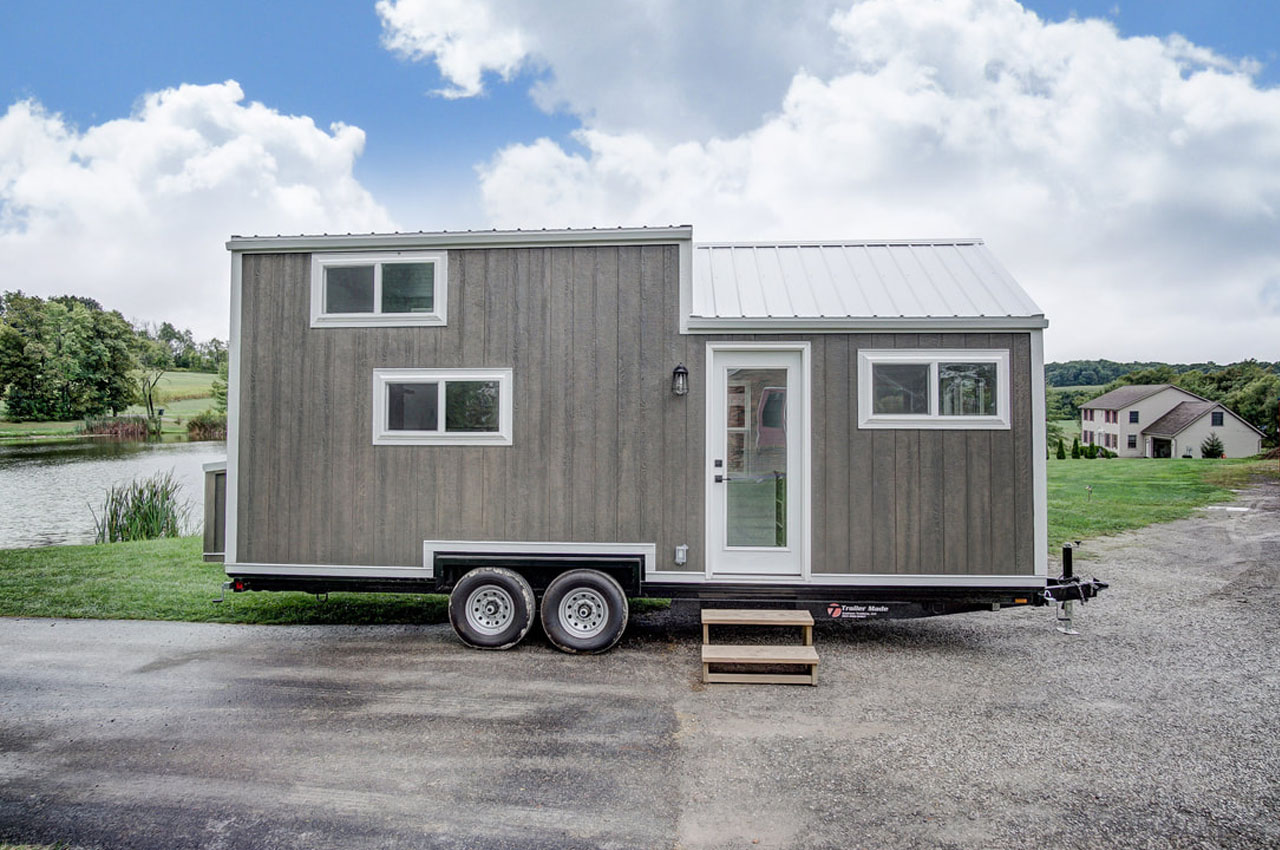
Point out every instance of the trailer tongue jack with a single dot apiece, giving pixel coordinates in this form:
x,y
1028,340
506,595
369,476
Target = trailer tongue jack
x,y
1069,589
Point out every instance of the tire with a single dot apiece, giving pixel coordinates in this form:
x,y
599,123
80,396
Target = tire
x,y
584,611
491,608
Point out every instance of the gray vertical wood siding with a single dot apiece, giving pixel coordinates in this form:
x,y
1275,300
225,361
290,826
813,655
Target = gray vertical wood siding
x,y
602,451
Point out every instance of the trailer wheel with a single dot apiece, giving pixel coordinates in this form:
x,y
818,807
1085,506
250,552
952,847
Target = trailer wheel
x,y
584,611
491,608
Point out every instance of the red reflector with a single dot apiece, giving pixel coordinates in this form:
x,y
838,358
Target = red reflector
x,y
239,584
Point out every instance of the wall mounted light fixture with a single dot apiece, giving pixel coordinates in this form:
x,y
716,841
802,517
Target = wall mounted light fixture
x,y
679,380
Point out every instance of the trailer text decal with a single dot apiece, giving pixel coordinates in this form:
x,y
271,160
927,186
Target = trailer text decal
x,y
856,612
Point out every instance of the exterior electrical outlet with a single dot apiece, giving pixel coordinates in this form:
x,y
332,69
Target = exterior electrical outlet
x,y
525,419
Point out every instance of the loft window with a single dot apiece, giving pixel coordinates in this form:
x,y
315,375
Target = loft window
x,y
1215,419
938,388
442,407
380,288
1133,419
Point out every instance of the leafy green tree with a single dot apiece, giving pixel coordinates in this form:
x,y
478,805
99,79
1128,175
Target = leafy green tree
x,y
1211,446
62,359
154,359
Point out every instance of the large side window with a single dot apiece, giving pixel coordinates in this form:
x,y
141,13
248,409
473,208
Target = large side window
x,y
442,407
939,388
385,288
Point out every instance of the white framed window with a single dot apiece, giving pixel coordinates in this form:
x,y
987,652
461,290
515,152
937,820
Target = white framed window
x,y
379,289
933,388
441,407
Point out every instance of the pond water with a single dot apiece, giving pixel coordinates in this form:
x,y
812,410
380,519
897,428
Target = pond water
x,y
48,491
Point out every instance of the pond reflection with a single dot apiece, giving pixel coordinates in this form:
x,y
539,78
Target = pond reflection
x,y
49,490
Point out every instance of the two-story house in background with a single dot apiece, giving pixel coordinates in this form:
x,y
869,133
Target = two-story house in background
x,y
1161,420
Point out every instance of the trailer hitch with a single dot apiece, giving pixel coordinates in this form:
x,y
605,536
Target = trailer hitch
x,y
1068,589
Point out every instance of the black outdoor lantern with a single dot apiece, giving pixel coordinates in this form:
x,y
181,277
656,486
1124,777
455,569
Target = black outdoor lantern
x,y
679,380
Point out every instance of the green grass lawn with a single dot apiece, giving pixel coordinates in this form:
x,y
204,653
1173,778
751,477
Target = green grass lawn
x,y
167,580
1135,492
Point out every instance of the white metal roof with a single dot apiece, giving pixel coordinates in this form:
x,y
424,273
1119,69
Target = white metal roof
x,y
829,285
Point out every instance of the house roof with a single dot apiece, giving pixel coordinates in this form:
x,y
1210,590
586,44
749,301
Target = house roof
x,y
1179,418
1122,397
851,284
1186,414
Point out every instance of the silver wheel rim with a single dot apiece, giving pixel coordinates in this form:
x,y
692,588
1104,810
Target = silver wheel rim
x,y
490,610
584,613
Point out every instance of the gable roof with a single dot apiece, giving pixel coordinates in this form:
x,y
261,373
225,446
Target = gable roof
x,y
1184,415
1122,397
1179,418
853,284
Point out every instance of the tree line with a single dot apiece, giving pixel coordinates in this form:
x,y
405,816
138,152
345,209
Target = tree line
x,y
67,357
1088,373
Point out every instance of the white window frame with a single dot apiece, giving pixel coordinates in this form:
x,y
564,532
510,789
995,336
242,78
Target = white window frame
x,y
933,357
384,436
440,290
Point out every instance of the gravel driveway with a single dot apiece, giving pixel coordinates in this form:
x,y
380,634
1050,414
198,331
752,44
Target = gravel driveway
x,y
1157,727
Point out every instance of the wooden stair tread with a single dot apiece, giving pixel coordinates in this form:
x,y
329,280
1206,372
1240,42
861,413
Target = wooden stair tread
x,y
755,617
758,654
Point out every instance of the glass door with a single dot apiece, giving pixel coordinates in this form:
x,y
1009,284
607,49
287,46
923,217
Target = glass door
x,y
757,492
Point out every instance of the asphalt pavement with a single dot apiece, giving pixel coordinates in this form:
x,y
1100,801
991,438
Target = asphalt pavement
x,y
1156,727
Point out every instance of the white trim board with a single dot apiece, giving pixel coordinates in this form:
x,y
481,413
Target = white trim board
x,y
855,324
1040,450
231,529
517,547
464,239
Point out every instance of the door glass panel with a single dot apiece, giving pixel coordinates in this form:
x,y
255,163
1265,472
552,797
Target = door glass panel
x,y
756,457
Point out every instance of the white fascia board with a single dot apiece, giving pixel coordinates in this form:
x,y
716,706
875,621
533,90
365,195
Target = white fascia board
x,y
843,243
467,239
215,466
868,324
325,571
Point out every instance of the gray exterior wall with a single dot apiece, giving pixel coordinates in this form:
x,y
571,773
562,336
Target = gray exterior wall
x,y
602,450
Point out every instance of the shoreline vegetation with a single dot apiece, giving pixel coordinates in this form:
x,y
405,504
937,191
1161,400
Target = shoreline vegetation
x,y
182,395
166,579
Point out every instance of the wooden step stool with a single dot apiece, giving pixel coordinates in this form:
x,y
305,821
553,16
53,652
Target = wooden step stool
x,y
803,656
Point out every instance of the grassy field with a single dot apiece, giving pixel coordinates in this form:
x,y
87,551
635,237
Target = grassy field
x,y
181,394
1089,498
166,580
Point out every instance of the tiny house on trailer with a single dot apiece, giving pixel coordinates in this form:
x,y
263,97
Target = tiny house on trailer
x,y
554,421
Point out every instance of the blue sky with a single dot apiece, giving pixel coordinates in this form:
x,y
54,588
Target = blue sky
x,y
612,154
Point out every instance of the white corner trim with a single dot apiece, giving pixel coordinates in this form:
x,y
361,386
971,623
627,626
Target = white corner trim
x,y
378,259
384,436
430,548
686,284
1040,448
231,520
932,357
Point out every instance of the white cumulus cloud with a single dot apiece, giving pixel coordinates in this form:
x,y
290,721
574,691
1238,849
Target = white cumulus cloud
x,y
1131,184
134,212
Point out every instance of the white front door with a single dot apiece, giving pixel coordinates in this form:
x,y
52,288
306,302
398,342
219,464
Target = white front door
x,y
757,464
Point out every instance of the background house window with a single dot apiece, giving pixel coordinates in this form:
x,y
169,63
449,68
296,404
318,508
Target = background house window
x,y
442,407
387,288
1133,441
1215,419
1133,419
933,388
